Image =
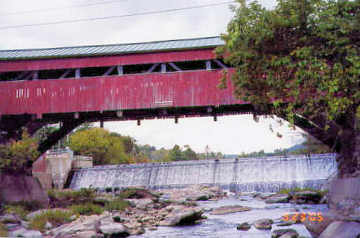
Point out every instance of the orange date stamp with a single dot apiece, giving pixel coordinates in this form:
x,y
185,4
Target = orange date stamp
x,y
302,217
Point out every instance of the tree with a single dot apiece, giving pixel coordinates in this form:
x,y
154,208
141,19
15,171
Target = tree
x,y
301,61
18,156
176,154
105,148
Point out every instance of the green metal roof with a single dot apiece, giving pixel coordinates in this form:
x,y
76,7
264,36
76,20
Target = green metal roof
x,y
114,49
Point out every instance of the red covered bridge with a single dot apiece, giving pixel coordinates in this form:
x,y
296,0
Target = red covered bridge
x,y
111,82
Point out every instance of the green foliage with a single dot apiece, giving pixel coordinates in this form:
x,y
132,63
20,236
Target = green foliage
x,y
103,146
117,205
55,217
291,191
64,198
18,156
16,209
303,57
87,209
3,230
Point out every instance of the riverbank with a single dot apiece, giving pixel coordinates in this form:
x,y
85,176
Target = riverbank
x,y
193,212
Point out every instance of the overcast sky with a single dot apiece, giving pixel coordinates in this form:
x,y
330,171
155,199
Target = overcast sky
x,y
231,134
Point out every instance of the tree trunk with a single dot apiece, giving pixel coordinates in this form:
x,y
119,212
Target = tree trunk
x,y
349,154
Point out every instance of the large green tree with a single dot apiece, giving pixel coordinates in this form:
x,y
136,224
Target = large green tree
x,y
300,61
103,146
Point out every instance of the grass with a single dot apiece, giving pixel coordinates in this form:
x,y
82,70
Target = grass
x,y
17,210
135,193
65,198
294,190
22,208
55,217
3,230
117,205
87,209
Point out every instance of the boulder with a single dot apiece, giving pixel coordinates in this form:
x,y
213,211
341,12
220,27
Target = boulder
x,y
140,203
18,187
22,232
307,197
243,226
315,227
291,233
229,209
343,197
182,216
263,224
278,198
341,229
114,230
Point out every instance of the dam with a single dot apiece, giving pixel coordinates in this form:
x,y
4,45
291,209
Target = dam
x,y
268,174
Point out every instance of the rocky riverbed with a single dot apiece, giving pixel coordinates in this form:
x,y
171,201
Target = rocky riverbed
x,y
194,212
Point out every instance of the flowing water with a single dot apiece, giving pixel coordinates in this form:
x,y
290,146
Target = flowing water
x,y
224,226
244,174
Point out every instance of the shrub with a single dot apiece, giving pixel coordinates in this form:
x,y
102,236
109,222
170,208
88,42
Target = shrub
x,y
136,193
16,209
68,197
3,230
87,209
108,189
55,217
117,205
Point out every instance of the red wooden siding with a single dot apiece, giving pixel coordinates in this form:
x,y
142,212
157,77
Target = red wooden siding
x,y
178,89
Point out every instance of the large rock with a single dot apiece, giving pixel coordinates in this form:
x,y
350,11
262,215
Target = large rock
x,y
278,198
307,197
114,230
229,209
282,232
243,226
182,216
315,227
341,229
344,195
15,188
25,233
263,224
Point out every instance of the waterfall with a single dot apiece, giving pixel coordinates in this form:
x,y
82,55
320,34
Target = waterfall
x,y
267,174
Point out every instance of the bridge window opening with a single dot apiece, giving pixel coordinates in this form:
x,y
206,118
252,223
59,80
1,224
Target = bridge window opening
x,y
191,65
12,76
140,68
113,70
55,74
98,71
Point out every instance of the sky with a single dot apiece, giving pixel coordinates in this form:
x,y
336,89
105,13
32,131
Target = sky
x,y
230,134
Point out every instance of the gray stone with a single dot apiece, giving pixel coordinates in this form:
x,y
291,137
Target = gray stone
x,y
315,227
344,195
9,218
278,198
263,224
48,225
141,203
291,233
114,229
341,229
16,188
243,226
229,209
182,216
25,233
307,197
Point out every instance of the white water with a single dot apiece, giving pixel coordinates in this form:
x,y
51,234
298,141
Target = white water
x,y
251,174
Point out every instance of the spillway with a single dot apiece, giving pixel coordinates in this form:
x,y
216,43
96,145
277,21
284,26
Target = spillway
x,y
268,174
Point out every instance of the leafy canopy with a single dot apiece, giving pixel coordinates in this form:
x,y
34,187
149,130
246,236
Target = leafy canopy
x,y
103,146
18,156
302,56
